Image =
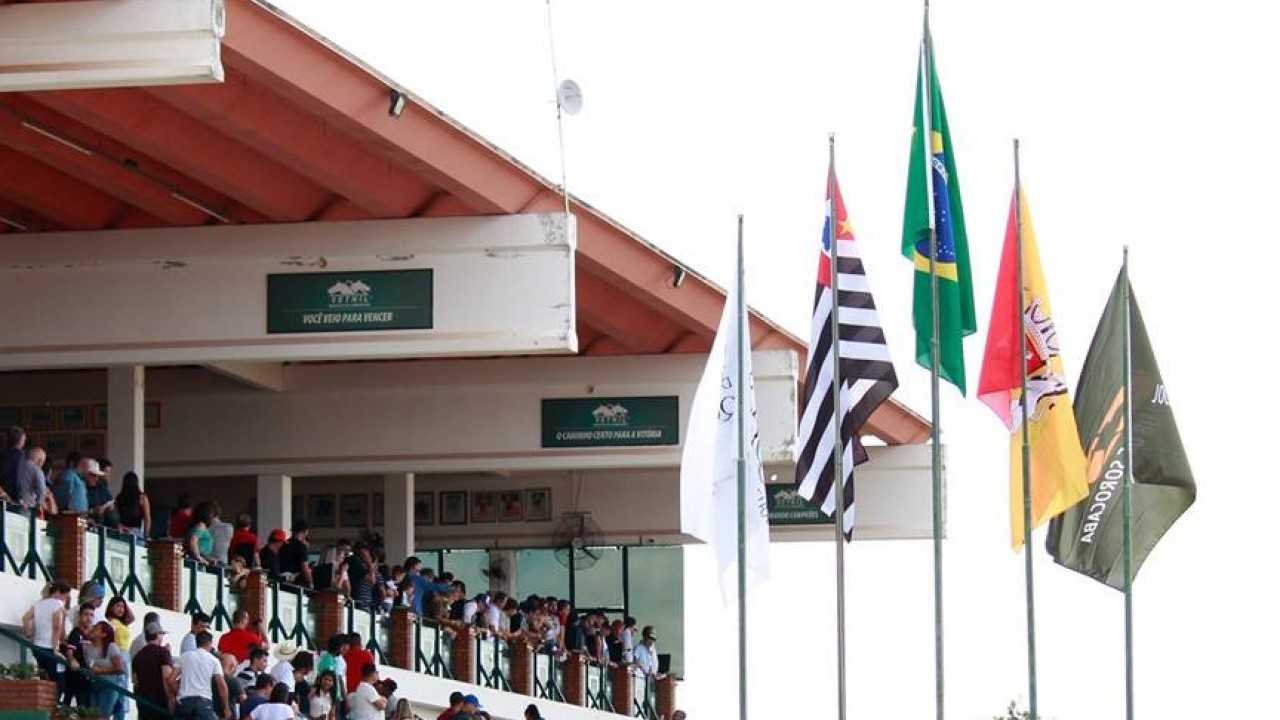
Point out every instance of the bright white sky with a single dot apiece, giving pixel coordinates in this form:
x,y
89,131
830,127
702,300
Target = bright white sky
x,y
1142,122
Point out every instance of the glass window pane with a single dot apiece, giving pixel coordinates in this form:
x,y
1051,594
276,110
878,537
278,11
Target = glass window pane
x,y
657,597
468,566
599,586
538,572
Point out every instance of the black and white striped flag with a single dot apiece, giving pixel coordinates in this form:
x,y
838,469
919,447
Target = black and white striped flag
x,y
867,377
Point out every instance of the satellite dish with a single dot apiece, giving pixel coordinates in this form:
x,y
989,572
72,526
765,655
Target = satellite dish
x,y
569,96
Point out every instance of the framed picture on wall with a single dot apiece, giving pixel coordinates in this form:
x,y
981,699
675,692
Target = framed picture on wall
x,y
510,506
537,504
91,444
379,510
56,446
353,510
73,417
321,511
484,506
98,417
453,508
424,508
10,416
38,418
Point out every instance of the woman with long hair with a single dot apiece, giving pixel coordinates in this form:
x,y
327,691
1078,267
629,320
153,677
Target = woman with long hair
x,y
403,711
105,661
120,617
324,697
199,541
133,507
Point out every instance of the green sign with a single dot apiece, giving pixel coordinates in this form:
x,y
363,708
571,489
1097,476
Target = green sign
x,y
787,507
609,422
349,301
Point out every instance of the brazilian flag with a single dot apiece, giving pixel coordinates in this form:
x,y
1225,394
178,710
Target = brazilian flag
x,y
955,283
1089,536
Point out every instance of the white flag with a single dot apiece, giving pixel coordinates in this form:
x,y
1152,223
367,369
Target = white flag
x,y
709,463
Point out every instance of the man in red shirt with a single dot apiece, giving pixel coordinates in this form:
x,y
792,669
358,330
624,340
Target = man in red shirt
x,y
244,541
180,521
455,706
357,657
239,639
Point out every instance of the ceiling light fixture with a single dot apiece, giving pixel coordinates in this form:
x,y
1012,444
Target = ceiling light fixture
x,y
56,137
184,198
398,102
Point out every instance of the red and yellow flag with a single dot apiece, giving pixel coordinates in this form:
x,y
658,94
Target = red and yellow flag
x,y
1057,463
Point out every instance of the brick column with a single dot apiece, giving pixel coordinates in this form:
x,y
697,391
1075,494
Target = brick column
x,y
666,696
68,547
622,695
166,574
464,656
331,616
521,666
254,596
575,679
400,638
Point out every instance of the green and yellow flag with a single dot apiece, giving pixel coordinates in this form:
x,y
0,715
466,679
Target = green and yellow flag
x,y
955,284
1089,537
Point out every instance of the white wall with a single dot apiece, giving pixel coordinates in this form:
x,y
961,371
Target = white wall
x,y
502,285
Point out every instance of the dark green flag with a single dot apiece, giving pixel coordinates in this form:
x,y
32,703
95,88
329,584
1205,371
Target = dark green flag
x,y
1088,537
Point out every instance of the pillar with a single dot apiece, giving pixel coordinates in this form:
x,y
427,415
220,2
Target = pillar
x,y
331,616
126,421
464,656
68,547
665,701
622,690
166,574
253,598
401,638
521,666
397,498
575,679
275,504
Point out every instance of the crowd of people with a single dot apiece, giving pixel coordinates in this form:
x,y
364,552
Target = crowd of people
x,y
241,678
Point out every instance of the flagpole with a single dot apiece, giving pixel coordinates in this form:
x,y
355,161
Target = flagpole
x,y
741,387
1026,445
1126,509
837,512
935,372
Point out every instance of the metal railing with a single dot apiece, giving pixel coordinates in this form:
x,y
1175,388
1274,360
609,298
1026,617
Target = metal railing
x,y
433,650
120,562
26,548
289,614
206,590
364,620
599,687
644,697
547,682
493,663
